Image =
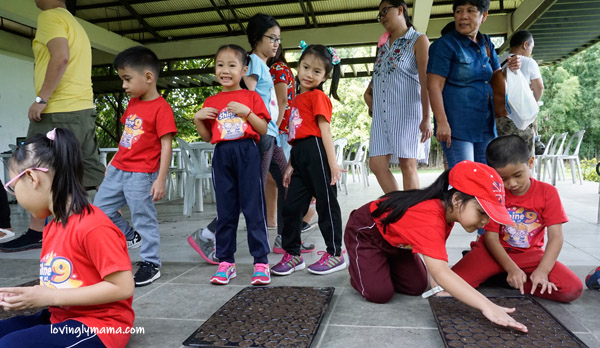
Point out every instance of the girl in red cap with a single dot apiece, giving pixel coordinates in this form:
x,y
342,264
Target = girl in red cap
x,y
383,237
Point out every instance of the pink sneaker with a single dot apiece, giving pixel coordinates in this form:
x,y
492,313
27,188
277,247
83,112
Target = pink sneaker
x,y
224,274
262,274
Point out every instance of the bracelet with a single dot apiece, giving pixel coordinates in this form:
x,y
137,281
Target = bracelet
x,y
248,115
432,292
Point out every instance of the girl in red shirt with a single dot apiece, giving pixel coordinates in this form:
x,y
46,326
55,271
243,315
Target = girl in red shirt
x,y
312,170
384,237
85,271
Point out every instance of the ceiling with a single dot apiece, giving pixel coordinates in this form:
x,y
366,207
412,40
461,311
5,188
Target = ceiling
x,y
184,29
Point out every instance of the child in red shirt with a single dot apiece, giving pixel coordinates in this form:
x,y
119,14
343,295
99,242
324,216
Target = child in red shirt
x,y
384,237
235,119
518,250
312,170
85,272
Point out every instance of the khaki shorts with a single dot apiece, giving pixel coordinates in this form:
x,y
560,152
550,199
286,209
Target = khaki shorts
x,y
83,124
506,126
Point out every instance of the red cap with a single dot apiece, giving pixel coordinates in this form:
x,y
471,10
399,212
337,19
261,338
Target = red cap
x,y
483,182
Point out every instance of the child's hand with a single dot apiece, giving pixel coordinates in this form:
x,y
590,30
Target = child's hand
x,y
239,109
205,114
336,174
499,316
19,298
516,279
158,190
287,176
540,278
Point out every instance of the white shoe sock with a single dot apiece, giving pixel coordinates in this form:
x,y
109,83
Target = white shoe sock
x,y
208,234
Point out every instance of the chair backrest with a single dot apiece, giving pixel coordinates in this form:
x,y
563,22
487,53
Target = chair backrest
x,y
351,154
579,137
548,144
191,163
561,147
339,145
361,153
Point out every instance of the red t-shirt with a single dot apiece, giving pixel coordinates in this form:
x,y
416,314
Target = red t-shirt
x,y
281,73
303,117
145,123
229,126
81,254
422,228
539,207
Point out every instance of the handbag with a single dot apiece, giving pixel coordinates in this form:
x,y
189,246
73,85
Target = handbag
x,y
498,88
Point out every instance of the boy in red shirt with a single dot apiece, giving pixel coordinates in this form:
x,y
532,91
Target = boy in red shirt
x,y
517,250
137,174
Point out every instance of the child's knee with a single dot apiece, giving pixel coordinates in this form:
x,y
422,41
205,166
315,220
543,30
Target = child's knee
x,y
571,292
378,295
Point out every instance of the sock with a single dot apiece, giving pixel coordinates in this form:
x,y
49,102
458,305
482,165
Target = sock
x,y
208,234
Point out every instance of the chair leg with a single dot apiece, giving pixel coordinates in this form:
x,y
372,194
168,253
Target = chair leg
x,y
579,171
188,197
199,201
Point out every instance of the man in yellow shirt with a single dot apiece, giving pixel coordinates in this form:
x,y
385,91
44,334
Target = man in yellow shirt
x,y
63,86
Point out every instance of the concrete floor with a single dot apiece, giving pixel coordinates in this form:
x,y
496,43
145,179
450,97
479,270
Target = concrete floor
x,y
182,299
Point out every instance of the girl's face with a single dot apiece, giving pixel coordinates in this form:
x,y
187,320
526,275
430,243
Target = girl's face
x,y
468,20
470,215
229,70
32,190
267,46
390,16
311,72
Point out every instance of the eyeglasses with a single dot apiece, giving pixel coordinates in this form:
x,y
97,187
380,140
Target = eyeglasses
x,y
273,39
10,189
384,12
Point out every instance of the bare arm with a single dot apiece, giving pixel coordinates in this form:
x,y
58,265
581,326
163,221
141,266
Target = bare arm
x,y
435,86
537,86
422,56
159,187
59,59
251,82
460,289
260,125
325,128
553,248
368,96
516,276
207,113
116,286
282,100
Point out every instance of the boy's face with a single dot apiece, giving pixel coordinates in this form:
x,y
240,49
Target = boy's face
x,y
136,83
516,176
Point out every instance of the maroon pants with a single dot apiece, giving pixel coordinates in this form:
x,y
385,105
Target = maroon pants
x,y
478,265
377,269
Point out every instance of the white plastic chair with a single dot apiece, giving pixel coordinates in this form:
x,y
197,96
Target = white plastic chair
x,y
339,145
573,157
196,168
538,158
356,160
546,161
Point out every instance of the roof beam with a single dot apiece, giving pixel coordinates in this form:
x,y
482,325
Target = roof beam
x,y
218,9
237,19
305,13
421,14
141,20
524,16
25,12
312,13
112,4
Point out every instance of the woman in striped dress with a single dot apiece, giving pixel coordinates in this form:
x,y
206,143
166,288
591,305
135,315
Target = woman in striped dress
x,y
397,98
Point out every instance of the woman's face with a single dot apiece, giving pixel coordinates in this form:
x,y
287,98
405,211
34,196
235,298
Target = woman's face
x,y
468,19
267,46
389,16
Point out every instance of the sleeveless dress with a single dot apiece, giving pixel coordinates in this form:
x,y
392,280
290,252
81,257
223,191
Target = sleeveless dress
x,y
397,108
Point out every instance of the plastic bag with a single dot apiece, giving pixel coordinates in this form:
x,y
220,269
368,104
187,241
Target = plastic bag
x,y
521,105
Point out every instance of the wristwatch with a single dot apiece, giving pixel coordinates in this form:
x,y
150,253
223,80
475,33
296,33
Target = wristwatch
x,y
39,100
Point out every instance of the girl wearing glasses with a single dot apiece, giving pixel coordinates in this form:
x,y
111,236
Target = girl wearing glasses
x,y
85,272
397,98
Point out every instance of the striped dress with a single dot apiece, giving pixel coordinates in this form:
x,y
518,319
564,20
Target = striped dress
x,y
397,108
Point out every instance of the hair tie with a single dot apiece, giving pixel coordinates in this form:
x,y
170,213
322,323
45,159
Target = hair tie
x,y
303,45
51,134
335,58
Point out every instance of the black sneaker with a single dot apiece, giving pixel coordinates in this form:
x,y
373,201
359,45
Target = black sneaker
x,y
307,227
146,274
28,240
135,242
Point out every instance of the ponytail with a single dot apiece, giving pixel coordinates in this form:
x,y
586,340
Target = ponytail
x,y
60,152
396,203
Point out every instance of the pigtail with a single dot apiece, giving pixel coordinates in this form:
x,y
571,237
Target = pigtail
x,y
68,184
335,81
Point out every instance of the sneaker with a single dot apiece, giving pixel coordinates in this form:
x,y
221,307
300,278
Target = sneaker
x,y
28,240
327,264
203,246
224,274
135,242
146,274
288,264
262,275
307,227
304,247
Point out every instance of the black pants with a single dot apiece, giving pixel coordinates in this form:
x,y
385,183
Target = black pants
x,y
311,178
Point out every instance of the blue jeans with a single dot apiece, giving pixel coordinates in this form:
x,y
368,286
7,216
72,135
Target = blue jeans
x,y
36,331
461,150
132,188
